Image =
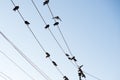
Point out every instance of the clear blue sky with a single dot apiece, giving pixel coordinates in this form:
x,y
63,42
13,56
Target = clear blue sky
x,y
91,27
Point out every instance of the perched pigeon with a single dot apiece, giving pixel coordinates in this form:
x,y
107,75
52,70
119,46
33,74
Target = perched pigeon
x,y
80,72
45,2
15,8
54,63
27,23
56,23
57,17
67,54
73,58
47,26
65,78
47,55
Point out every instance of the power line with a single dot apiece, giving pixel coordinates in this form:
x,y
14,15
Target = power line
x,y
3,77
26,58
47,26
27,23
65,39
6,76
16,65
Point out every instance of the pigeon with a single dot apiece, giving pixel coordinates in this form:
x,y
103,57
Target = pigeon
x,y
27,23
56,23
67,54
15,8
57,17
54,63
45,2
73,58
47,55
65,78
47,26
80,72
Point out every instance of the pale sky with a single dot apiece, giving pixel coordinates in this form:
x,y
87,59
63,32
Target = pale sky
x,y
91,28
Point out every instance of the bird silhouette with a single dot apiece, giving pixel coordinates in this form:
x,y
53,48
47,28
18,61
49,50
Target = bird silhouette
x,y
67,54
27,23
54,63
65,78
57,17
47,26
56,23
45,2
80,72
73,58
47,55
15,8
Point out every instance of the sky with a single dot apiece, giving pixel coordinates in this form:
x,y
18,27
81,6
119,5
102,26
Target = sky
x,y
91,28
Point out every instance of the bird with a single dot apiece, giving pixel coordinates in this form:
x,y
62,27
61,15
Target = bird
x,y
15,8
73,58
47,55
57,17
65,78
80,66
45,2
27,23
80,72
67,54
47,26
56,23
54,63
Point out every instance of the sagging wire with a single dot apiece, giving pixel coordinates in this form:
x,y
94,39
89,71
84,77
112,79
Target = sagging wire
x,y
16,65
47,27
55,18
26,58
3,77
27,23
6,76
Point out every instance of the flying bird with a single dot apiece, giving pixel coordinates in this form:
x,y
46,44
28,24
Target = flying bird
x,y
27,23
47,26
15,8
45,2
47,55
57,17
56,23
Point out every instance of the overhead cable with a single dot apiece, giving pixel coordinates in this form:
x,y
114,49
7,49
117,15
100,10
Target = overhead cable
x,y
17,65
26,58
57,24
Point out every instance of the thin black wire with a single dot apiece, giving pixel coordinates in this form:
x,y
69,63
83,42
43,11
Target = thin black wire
x,y
31,29
66,42
6,76
49,30
33,32
16,65
26,58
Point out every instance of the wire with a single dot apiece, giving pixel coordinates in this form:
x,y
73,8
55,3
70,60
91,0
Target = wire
x,y
39,13
32,31
6,76
92,76
3,77
66,41
16,65
26,58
